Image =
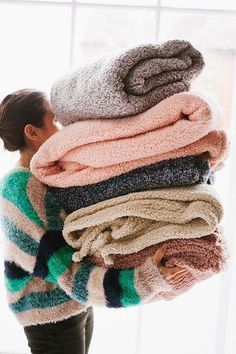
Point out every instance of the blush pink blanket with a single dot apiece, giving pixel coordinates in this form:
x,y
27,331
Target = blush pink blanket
x,y
88,152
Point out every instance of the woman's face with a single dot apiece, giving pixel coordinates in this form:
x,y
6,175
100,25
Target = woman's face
x,y
35,136
51,125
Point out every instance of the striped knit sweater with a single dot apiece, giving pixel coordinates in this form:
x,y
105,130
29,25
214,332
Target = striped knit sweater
x,y
43,283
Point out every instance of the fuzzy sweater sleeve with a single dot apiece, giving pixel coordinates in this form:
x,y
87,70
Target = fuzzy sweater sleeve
x,y
34,246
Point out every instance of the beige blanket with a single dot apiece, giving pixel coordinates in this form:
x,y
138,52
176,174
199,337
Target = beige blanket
x,y
135,221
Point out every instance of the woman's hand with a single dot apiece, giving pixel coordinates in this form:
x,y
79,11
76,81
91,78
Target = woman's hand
x,y
173,275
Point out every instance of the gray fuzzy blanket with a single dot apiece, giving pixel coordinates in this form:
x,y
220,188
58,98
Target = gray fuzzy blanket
x,y
178,172
127,83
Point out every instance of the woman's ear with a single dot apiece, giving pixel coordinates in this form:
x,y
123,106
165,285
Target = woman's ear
x,y
31,132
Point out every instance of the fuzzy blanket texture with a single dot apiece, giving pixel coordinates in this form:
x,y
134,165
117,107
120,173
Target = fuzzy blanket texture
x,y
91,151
135,221
126,83
214,260
202,253
169,173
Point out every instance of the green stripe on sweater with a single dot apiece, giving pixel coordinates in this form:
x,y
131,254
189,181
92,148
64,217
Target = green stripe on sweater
x,y
18,237
59,263
129,295
79,289
13,188
40,300
15,285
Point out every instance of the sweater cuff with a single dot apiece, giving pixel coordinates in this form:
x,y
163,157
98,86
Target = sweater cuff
x,y
149,281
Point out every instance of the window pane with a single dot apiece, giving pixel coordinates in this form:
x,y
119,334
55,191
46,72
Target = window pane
x,y
217,42
202,4
183,319
121,2
35,45
119,320
99,31
51,0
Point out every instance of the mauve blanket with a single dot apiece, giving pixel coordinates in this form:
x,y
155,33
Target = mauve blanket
x,y
215,261
201,253
91,151
126,83
135,221
169,173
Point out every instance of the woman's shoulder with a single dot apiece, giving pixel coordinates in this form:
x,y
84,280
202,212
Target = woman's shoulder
x,y
13,175
18,181
20,189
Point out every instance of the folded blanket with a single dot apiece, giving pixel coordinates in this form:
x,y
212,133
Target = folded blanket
x,y
126,83
194,276
96,150
203,253
214,260
178,172
135,221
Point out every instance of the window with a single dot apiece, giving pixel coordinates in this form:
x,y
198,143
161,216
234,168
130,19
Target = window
x,y
42,39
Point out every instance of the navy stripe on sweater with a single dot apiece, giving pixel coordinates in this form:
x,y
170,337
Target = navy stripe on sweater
x,y
13,271
51,242
112,293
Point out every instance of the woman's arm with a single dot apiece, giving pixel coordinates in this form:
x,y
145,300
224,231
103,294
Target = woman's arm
x,y
90,284
36,247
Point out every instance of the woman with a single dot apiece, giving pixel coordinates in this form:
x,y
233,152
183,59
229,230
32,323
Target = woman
x,y
51,295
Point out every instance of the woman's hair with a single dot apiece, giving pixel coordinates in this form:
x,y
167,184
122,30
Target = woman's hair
x,y
16,111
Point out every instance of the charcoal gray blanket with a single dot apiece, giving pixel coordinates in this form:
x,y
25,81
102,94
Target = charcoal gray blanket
x,y
177,172
127,83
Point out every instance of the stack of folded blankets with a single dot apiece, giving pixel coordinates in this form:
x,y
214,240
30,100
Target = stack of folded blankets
x,y
134,165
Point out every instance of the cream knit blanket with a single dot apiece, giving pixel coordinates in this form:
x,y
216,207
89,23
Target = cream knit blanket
x,y
135,221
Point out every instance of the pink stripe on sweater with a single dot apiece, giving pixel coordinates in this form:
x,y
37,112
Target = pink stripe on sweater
x,y
14,254
51,314
35,285
36,192
21,221
95,282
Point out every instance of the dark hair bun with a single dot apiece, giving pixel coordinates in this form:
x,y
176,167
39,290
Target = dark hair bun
x,y
16,111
